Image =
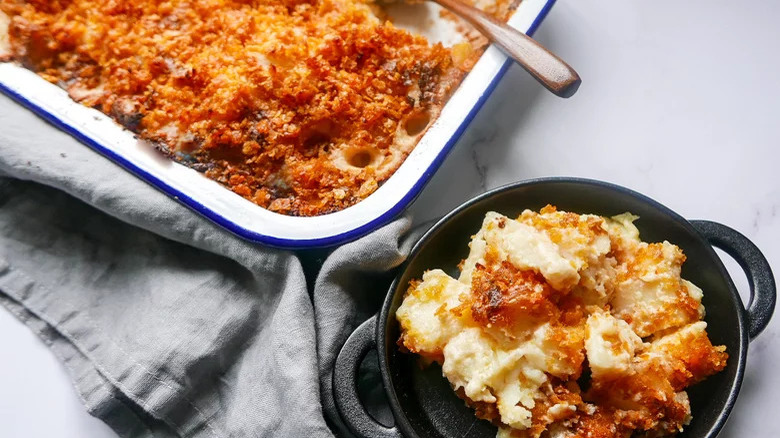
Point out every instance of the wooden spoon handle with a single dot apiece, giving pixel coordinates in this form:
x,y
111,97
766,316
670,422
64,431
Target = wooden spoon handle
x,y
543,65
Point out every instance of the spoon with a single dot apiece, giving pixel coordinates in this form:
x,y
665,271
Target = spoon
x,y
550,70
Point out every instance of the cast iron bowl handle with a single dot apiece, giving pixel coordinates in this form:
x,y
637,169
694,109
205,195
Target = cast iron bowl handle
x,y
359,343
763,291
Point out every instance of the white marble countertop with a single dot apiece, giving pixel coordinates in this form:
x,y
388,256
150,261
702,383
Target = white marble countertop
x,y
680,101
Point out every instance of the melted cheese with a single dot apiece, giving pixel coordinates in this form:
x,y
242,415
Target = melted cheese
x,y
610,345
524,247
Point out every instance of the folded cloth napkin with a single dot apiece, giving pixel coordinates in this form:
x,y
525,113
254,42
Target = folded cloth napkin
x,y
169,325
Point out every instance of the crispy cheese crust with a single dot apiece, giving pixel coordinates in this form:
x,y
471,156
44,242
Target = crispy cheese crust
x,y
565,325
302,106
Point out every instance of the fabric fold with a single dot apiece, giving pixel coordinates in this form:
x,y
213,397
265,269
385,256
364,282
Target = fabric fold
x,y
191,338
168,324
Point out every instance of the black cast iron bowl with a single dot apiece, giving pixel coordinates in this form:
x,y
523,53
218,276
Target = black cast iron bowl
x,y
422,401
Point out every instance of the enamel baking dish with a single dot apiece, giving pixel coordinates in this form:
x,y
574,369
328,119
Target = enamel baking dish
x,y
241,216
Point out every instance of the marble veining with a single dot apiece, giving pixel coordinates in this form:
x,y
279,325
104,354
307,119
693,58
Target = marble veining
x,y
477,142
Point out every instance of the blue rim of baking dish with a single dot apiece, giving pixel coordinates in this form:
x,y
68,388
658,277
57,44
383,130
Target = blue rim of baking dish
x,y
287,243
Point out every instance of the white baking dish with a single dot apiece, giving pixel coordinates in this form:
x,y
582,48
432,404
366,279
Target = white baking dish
x,y
241,216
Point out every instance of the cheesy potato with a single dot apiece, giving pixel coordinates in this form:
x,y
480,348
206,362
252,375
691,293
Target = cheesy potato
x,y
565,325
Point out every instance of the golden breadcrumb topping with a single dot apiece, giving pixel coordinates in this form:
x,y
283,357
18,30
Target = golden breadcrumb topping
x,y
302,106
565,325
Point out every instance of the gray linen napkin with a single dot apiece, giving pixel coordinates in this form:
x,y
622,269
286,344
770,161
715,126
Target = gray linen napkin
x,y
169,325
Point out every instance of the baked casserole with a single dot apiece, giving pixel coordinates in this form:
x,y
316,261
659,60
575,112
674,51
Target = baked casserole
x,y
563,325
303,107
